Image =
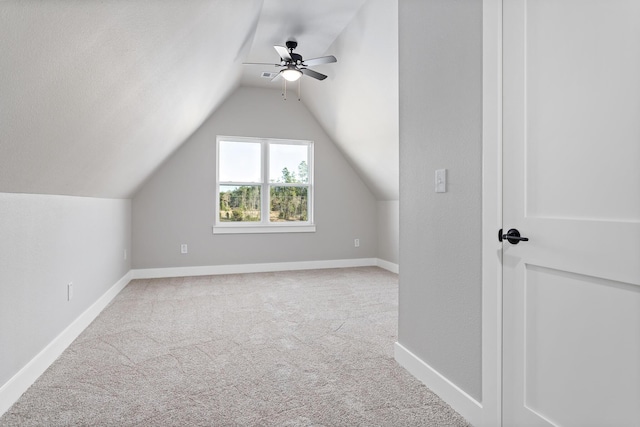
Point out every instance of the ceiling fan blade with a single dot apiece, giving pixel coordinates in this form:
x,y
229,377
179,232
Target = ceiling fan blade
x,y
322,60
314,74
277,75
260,63
283,52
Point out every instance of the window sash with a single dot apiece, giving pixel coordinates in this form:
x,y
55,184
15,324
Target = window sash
x,y
265,224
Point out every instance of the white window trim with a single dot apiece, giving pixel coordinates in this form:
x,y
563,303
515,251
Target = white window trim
x,y
264,226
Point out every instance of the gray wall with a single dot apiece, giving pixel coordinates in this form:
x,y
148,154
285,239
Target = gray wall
x,y
47,242
388,230
440,234
176,205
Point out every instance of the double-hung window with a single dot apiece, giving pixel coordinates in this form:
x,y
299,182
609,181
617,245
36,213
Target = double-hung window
x,y
263,185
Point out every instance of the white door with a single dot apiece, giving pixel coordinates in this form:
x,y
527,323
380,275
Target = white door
x,y
571,184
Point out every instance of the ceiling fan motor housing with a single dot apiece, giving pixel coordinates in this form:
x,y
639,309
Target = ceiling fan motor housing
x,y
295,58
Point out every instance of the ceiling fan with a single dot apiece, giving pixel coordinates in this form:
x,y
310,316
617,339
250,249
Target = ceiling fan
x,y
294,66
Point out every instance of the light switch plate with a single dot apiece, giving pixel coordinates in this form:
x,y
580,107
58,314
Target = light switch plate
x,y
441,181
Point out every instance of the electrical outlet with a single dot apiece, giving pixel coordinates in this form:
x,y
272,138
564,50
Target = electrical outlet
x,y
184,249
69,291
356,243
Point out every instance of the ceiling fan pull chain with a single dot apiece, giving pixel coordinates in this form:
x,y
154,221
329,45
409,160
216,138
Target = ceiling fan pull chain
x,y
299,86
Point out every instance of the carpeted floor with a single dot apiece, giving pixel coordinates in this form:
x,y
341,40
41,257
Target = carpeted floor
x,y
299,348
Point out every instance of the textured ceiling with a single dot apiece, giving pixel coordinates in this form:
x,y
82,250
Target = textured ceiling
x,y
358,104
313,24
95,95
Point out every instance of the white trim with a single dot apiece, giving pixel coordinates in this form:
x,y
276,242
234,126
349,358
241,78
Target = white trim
x,y
11,391
460,401
392,267
208,270
255,229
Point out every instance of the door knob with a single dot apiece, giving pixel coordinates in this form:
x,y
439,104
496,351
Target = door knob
x,y
513,236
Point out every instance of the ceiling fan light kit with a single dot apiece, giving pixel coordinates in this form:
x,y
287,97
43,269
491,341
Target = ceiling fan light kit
x,y
293,66
291,73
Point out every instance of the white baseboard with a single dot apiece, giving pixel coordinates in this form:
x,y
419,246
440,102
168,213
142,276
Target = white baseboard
x,y
394,268
464,404
209,270
11,391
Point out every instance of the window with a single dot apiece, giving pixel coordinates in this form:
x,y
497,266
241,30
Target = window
x,y
264,185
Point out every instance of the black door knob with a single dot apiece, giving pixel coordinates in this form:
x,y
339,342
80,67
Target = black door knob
x,y
513,236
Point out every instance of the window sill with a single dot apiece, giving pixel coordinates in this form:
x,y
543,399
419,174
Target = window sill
x,y
257,229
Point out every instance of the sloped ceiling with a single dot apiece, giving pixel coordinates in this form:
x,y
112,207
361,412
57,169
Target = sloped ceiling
x,y
358,104
313,24
95,95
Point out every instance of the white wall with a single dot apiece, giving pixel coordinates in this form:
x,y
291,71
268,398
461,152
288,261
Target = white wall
x,y
440,301
176,205
47,242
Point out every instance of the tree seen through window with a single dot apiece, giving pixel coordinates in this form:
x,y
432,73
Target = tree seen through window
x,y
286,203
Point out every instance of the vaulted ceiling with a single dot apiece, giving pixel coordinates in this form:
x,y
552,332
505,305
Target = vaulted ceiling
x,y
95,95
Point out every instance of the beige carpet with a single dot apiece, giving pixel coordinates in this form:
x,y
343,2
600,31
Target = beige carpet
x,y
301,348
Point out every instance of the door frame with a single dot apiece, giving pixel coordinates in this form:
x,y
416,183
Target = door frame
x,y
491,212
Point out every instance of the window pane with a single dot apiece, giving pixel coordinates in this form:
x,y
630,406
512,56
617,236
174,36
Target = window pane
x,y
239,203
288,204
288,163
239,161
